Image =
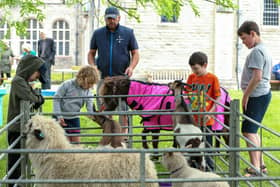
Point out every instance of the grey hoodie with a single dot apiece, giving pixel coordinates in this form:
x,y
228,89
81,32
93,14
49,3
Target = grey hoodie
x,y
20,88
70,88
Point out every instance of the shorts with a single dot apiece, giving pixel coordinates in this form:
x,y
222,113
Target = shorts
x,y
256,109
74,124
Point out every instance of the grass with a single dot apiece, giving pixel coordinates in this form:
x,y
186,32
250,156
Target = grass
x,y
271,121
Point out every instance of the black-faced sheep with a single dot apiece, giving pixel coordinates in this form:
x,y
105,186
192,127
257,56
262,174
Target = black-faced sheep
x,y
184,124
45,133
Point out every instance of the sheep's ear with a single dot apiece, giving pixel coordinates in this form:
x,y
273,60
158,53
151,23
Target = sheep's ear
x,y
38,134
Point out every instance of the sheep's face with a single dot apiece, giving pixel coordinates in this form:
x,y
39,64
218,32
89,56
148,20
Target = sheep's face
x,y
173,160
42,132
34,134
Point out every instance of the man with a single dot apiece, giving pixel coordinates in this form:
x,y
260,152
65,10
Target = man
x,y
30,68
47,50
256,90
117,49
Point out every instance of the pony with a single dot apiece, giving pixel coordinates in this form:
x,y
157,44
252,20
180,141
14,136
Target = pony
x,y
121,85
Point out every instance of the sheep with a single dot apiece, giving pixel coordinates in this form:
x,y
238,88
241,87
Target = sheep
x,y
176,163
109,126
184,124
45,133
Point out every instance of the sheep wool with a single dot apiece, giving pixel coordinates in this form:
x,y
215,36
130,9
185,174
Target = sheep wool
x,y
45,133
176,163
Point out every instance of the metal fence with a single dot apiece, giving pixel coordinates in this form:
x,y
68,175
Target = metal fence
x,y
227,158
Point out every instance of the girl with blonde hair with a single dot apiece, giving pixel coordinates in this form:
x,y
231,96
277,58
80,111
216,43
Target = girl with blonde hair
x,y
81,86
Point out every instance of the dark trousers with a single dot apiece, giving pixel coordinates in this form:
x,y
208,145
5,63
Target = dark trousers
x,y
47,85
12,158
208,144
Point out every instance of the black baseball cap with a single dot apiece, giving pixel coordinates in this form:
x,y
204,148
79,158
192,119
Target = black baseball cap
x,y
111,12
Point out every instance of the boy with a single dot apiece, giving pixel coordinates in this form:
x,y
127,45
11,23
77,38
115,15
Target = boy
x,y
30,68
198,63
256,90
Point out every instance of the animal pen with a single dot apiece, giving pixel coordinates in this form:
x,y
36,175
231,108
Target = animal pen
x,y
227,158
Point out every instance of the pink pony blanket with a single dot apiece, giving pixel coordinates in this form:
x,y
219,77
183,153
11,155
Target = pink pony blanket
x,y
151,103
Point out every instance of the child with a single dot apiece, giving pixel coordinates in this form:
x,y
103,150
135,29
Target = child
x,y
198,63
256,90
30,68
78,87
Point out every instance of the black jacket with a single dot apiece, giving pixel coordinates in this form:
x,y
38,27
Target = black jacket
x,y
50,50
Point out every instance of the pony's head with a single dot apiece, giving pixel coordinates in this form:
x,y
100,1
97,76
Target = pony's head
x,y
178,85
117,85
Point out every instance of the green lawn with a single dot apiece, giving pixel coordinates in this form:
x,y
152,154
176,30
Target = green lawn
x,y
271,120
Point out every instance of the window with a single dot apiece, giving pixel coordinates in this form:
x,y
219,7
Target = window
x,y
4,34
173,19
270,13
61,36
32,37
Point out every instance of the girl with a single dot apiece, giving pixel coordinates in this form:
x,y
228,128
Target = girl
x,y
78,87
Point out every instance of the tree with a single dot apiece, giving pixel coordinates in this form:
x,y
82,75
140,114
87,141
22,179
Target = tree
x,y
26,9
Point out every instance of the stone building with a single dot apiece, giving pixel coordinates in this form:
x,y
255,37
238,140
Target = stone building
x,y
164,45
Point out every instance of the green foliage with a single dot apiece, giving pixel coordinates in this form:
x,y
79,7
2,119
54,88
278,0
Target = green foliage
x,y
26,8
168,8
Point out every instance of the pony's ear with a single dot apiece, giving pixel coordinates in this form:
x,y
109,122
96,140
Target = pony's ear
x,y
38,134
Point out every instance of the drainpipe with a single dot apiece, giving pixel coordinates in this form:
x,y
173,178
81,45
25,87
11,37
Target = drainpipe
x,y
77,36
238,45
92,15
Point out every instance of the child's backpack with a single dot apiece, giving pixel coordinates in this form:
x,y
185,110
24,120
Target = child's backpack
x,y
223,118
225,100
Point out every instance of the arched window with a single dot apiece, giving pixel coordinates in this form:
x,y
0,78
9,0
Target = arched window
x,y
61,35
32,37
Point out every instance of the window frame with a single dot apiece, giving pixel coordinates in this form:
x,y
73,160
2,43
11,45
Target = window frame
x,y
61,41
265,20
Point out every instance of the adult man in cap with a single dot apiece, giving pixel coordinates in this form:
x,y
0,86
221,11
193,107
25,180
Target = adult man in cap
x,y
117,50
30,68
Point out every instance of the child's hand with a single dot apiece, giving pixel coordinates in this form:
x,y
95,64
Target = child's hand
x,y
62,122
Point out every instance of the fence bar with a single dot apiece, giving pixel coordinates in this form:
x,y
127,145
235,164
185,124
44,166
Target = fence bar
x,y
234,141
24,108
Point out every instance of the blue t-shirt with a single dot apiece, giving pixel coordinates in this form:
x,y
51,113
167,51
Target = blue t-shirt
x,y
276,71
113,49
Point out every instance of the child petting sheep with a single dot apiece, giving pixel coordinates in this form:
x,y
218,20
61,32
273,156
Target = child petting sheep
x,y
176,163
78,87
45,133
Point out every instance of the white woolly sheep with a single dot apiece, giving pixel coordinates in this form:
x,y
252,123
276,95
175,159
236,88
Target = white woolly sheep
x,y
45,133
176,163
